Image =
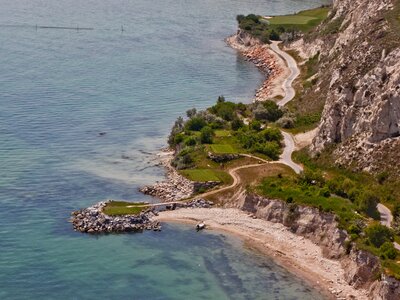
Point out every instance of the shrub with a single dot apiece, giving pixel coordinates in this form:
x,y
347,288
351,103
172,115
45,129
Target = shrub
x,y
382,177
206,135
272,134
274,36
388,251
191,113
325,193
378,234
236,124
176,129
267,111
190,141
271,149
286,122
195,124
367,203
255,125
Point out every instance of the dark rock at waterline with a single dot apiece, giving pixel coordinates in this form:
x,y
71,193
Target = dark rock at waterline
x,y
92,220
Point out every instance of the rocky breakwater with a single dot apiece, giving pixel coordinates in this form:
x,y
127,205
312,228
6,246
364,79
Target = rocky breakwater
x,y
262,56
93,220
174,188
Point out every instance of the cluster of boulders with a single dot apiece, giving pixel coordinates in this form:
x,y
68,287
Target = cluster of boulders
x,y
93,220
259,54
196,203
174,188
201,187
221,158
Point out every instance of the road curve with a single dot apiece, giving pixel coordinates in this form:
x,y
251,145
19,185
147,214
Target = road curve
x,y
386,215
286,156
287,85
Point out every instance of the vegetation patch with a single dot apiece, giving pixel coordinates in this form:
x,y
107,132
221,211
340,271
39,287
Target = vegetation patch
x,y
222,149
201,175
118,208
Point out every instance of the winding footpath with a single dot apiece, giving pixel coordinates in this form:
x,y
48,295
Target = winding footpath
x,y
294,73
287,86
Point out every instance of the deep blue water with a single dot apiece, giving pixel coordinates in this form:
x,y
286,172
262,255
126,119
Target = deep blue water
x,y
59,89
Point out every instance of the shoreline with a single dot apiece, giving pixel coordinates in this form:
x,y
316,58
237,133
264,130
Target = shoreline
x,y
266,60
296,254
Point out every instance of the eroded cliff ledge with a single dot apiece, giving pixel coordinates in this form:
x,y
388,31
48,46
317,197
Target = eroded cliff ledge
x,y
359,80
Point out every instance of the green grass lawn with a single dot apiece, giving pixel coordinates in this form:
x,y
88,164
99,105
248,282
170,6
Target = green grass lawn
x,y
286,188
222,149
117,208
201,175
293,19
304,20
222,133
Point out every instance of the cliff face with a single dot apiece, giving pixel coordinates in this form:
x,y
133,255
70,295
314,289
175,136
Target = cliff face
x,y
359,79
361,268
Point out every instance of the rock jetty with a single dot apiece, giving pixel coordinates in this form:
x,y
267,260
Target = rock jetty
x,y
174,188
93,220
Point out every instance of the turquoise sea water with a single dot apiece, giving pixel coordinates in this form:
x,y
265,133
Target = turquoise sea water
x,y
59,89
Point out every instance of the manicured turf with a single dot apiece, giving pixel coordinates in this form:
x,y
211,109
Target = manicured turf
x,y
222,133
116,208
219,148
201,175
304,20
294,19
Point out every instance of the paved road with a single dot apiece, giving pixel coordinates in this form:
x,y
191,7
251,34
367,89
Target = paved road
x,y
386,215
386,219
286,156
294,72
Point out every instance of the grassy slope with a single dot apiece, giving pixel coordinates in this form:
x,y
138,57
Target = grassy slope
x,y
302,21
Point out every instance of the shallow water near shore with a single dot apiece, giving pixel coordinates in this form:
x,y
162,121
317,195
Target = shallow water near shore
x,y
82,115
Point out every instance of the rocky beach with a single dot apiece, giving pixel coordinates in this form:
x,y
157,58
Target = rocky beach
x,y
266,60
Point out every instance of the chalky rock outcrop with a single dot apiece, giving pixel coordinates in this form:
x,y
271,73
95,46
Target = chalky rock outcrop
x,y
359,77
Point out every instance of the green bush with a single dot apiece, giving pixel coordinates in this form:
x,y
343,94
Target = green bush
x,y
206,135
271,149
388,251
190,141
236,124
367,203
195,124
378,234
255,125
272,134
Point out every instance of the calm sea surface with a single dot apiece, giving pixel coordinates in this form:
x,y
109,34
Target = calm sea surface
x,y
59,89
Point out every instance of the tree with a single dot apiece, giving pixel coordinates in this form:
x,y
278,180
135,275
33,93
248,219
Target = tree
x,y
176,129
206,135
221,99
195,124
367,203
236,124
255,125
378,234
388,250
272,134
274,36
191,113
